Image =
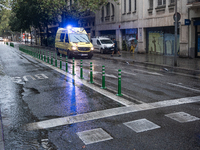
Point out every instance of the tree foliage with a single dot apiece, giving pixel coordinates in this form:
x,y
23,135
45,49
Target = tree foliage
x,y
40,13
4,18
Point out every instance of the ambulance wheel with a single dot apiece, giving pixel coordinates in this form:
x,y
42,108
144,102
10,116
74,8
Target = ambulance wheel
x,y
57,52
90,56
69,54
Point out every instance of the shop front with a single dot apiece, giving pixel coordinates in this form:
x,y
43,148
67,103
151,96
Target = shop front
x,y
129,39
161,41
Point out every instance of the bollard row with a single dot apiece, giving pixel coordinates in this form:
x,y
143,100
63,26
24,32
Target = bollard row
x,y
40,54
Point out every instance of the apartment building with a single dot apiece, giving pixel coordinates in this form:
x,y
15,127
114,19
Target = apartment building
x,y
151,23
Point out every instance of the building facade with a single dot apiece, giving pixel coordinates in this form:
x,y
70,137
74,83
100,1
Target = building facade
x,y
151,23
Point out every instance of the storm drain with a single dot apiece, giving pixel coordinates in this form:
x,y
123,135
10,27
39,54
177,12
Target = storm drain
x,y
182,117
94,136
141,125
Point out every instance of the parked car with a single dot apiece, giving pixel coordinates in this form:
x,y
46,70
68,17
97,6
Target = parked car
x,y
103,44
1,39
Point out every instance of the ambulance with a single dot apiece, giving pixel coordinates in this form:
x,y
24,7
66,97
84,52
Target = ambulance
x,y
72,42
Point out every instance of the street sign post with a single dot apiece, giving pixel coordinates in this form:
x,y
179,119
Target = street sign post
x,y
177,17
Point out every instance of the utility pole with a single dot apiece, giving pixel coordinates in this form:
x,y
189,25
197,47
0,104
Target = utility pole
x,y
176,23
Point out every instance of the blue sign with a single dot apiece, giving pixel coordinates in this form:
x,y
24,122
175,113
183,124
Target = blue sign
x,y
187,22
196,22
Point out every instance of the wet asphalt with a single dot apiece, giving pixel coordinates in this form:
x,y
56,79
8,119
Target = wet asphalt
x,y
32,92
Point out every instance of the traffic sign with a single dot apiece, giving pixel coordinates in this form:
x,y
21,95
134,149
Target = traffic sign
x,y
187,22
178,16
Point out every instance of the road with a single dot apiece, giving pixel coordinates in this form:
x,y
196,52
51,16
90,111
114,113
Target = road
x,y
45,107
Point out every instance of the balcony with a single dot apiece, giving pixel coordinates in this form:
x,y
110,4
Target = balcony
x,y
193,3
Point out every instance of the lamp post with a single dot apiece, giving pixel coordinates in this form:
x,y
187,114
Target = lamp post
x,y
176,23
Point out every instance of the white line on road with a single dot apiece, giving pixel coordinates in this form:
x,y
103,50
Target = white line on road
x,y
108,113
143,71
107,75
184,87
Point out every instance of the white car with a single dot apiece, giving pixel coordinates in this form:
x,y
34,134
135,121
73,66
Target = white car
x,y
103,44
1,39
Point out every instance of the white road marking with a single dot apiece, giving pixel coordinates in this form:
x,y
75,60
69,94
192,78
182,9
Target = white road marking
x,y
182,117
153,73
143,71
141,125
108,113
108,75
94,136
25,77
184,87
129,73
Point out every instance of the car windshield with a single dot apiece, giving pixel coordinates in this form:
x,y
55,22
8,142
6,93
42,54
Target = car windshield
x,y
74,37
106,42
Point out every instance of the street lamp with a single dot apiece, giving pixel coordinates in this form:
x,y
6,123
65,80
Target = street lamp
x,y
176,23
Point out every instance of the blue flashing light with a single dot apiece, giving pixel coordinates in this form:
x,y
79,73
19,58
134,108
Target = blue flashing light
x,y
69,27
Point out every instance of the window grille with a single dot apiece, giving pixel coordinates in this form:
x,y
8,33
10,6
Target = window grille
x,y
150,3
124,6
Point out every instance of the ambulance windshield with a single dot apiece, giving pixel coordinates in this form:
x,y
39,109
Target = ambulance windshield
x,y
75,38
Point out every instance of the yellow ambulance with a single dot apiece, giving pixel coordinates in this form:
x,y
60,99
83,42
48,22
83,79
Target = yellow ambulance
x,y
72,42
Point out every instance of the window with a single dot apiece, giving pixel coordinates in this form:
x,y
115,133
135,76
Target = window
x,y
124,6
129,9
66,38
62,37
135,5
172,1
161,2
113,11
98,42
108,9
102,14
150,4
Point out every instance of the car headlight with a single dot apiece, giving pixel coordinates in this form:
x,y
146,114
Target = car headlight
x,y
92,48
74,48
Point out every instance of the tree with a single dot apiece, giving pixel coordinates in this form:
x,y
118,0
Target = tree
x,y
4,18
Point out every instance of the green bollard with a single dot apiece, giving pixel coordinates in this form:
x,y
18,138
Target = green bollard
x,y
41,55
60,61
81,71
38,53
91,74
56,61
44,55
66,65
73,72
51,58
103,78
119,83
48,57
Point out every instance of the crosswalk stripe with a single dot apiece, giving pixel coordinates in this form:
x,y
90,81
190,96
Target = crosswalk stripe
x,y
108,113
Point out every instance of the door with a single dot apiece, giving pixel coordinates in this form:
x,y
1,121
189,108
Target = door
x,y
61,43
98,45
66,44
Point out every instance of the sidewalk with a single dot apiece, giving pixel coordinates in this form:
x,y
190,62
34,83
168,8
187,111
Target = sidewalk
x,y
161,61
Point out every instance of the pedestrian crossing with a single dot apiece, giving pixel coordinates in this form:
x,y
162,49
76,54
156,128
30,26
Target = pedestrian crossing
x,y
141,125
